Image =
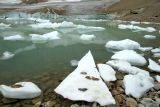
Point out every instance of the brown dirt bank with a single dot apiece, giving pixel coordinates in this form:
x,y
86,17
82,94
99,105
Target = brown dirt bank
x,y
138,10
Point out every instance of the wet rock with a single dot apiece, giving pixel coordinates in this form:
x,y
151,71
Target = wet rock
x,y
115,92
119,76
57,105
137,11
9,101
36,100
119,83
130,102
157,86
94,105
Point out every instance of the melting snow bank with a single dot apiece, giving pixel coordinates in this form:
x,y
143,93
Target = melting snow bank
x,y
123,44
137,28
157,77
153,66
150,37
106,72
48,36
137,85
21,90
83,82
14,37
125,67
131,56
6,55
4,26
87,37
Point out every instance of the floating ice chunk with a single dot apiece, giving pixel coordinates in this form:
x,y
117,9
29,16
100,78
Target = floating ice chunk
x,y
4,26
85,29
156,54
156,50
43,25
159,60
150,37
137,85
48,36
74,63
132,27
67,24
153,66
39,20
144,49
157,77
131,56
87,37
85,84
6,55
14,37
106,72
134,22
125,67
123,44
20,90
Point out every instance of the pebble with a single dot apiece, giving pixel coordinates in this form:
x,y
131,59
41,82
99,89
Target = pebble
x,y
157,86
74,105
50,103
9,101
141,105
118,99
130,102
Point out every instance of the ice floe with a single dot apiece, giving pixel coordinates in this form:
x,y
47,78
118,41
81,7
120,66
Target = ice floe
x,y
87,37
144,49
48,36
125,67
123,44
150,37
85,29
4,26
137,28
83,82
106,72
14,37
43,25
137,85
156,54
20,90
131,56
7,55
156,50
157,77
153,66
74,63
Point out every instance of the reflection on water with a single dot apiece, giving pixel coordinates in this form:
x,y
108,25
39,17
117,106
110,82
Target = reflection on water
x,y
53,56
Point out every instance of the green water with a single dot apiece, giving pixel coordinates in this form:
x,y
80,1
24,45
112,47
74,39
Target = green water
x,y
54,56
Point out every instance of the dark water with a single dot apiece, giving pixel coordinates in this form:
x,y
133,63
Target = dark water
x,y
53,57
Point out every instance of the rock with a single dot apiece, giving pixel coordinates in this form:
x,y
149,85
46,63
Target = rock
x,y
50,103
137,11
9,101
36,100
157,86
74,105
58,105
141,105
148,102
119,83
94,105
130,102
118,99
115,92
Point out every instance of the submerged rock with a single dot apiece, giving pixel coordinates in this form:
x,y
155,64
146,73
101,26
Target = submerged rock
x,y
137,85
123,44
69,88
130,56
21,90
106,72
153,66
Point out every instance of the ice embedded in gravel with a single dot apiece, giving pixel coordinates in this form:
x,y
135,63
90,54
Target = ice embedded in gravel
x,y
137,85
